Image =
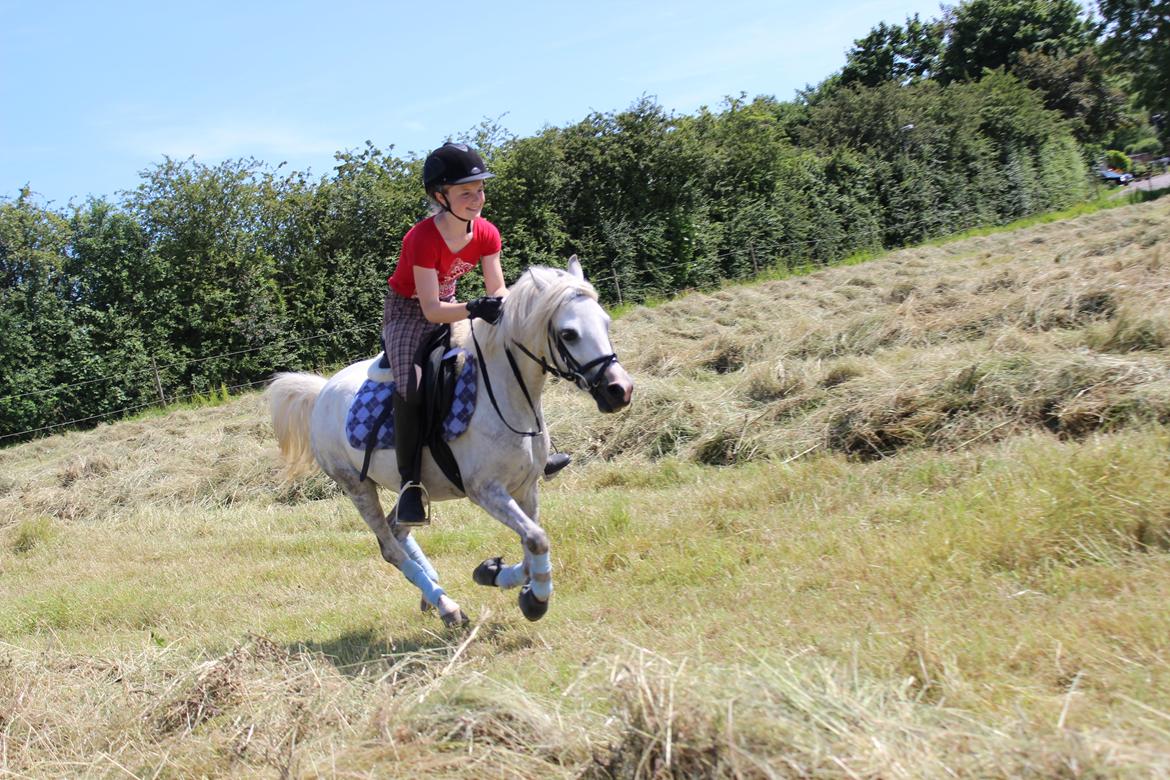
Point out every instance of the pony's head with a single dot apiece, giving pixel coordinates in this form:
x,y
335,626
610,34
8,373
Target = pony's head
x,y
554,316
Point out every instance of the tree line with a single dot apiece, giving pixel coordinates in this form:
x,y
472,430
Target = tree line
x,y
207,276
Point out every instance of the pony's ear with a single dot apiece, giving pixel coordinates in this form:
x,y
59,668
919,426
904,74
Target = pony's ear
x,y
575,268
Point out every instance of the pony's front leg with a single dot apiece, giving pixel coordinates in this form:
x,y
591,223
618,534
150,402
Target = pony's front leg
x,y
521,516
405,555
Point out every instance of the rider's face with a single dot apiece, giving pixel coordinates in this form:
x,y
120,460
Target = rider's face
x,y
466,200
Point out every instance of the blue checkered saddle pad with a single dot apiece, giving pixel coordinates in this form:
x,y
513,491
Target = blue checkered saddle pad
x,y
374,397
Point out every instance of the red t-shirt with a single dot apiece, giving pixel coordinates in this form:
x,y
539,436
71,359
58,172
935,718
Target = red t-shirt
x,y
423,247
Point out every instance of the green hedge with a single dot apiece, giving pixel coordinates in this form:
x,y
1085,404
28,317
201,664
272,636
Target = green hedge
x,y
210,276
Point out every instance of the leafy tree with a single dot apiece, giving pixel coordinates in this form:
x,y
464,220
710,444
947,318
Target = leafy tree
x,y
37,338
629,197
118,299
336,246
990,34
741,157
1118,160
1137,38
743,145
1145,146
945,158
525,197
212,231
1079,87
895,53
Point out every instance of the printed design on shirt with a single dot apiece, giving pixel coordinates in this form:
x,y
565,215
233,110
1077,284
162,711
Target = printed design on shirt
x,y
457,269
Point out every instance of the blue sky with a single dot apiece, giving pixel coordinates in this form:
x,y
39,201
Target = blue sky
x,y
93,93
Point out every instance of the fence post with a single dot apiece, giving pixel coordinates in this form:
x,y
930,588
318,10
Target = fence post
x,y
158,382
755,263
617,286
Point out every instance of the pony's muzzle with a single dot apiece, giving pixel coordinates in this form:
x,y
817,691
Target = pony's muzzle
x,y
616,390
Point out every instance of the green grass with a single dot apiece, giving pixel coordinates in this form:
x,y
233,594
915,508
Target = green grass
x,y
32,533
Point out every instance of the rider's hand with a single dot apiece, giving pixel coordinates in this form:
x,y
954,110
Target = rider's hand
x,y
486,309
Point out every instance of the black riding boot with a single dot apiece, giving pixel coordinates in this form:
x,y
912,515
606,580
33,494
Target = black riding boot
x,y
556,461
408,448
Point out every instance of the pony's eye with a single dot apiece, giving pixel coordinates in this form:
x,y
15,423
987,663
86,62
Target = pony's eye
x,y
569,335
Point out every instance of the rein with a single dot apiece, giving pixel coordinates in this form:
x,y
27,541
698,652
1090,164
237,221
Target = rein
x,y
487,382
575,373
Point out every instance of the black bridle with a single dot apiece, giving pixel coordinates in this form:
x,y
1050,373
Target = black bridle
x,y
573,372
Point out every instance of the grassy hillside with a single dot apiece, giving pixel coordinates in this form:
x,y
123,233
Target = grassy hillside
x,y
905,518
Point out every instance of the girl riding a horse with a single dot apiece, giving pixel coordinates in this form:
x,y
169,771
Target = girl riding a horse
x,y
421,297
552,326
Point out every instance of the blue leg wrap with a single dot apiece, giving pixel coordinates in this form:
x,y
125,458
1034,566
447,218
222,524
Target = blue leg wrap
x,y
510,576
430,591
418,556
540,566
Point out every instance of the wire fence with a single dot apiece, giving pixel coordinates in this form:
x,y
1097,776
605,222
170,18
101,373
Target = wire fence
x,y
156,369
776,248
771,249
126,410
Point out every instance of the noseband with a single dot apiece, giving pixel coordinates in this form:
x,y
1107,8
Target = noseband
x,y
573,372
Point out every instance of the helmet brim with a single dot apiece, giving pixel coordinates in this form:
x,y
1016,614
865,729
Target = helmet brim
x,y
476,177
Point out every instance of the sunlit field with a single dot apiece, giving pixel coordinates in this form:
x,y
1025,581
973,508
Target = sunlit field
x,y
906,518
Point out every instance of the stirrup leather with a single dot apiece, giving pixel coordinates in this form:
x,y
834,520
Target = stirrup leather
x,y
426,504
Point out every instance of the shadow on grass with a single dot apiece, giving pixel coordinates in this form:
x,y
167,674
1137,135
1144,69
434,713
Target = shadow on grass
x,y
355,650
359,652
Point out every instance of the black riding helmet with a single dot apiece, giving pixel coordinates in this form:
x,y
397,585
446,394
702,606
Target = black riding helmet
x,y
452,164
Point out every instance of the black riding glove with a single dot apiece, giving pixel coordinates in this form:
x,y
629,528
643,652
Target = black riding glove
x,y
486,309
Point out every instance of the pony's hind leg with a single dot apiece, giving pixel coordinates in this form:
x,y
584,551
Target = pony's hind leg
x,y
407,558
416,554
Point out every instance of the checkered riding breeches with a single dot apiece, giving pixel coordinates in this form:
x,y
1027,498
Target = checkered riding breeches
x,y
403,329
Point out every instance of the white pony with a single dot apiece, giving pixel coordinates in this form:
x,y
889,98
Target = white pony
x,y
554,322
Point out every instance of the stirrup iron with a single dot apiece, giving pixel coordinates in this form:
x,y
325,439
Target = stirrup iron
x,y
426,505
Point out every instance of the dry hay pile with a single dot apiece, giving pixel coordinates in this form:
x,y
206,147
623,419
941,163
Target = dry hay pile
x,y
1061,327
266,709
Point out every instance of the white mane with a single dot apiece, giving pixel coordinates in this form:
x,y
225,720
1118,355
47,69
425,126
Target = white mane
x,y
534,298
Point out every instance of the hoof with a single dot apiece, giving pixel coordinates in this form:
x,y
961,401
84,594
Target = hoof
x,y
455,619
486,572
424,605
532,607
